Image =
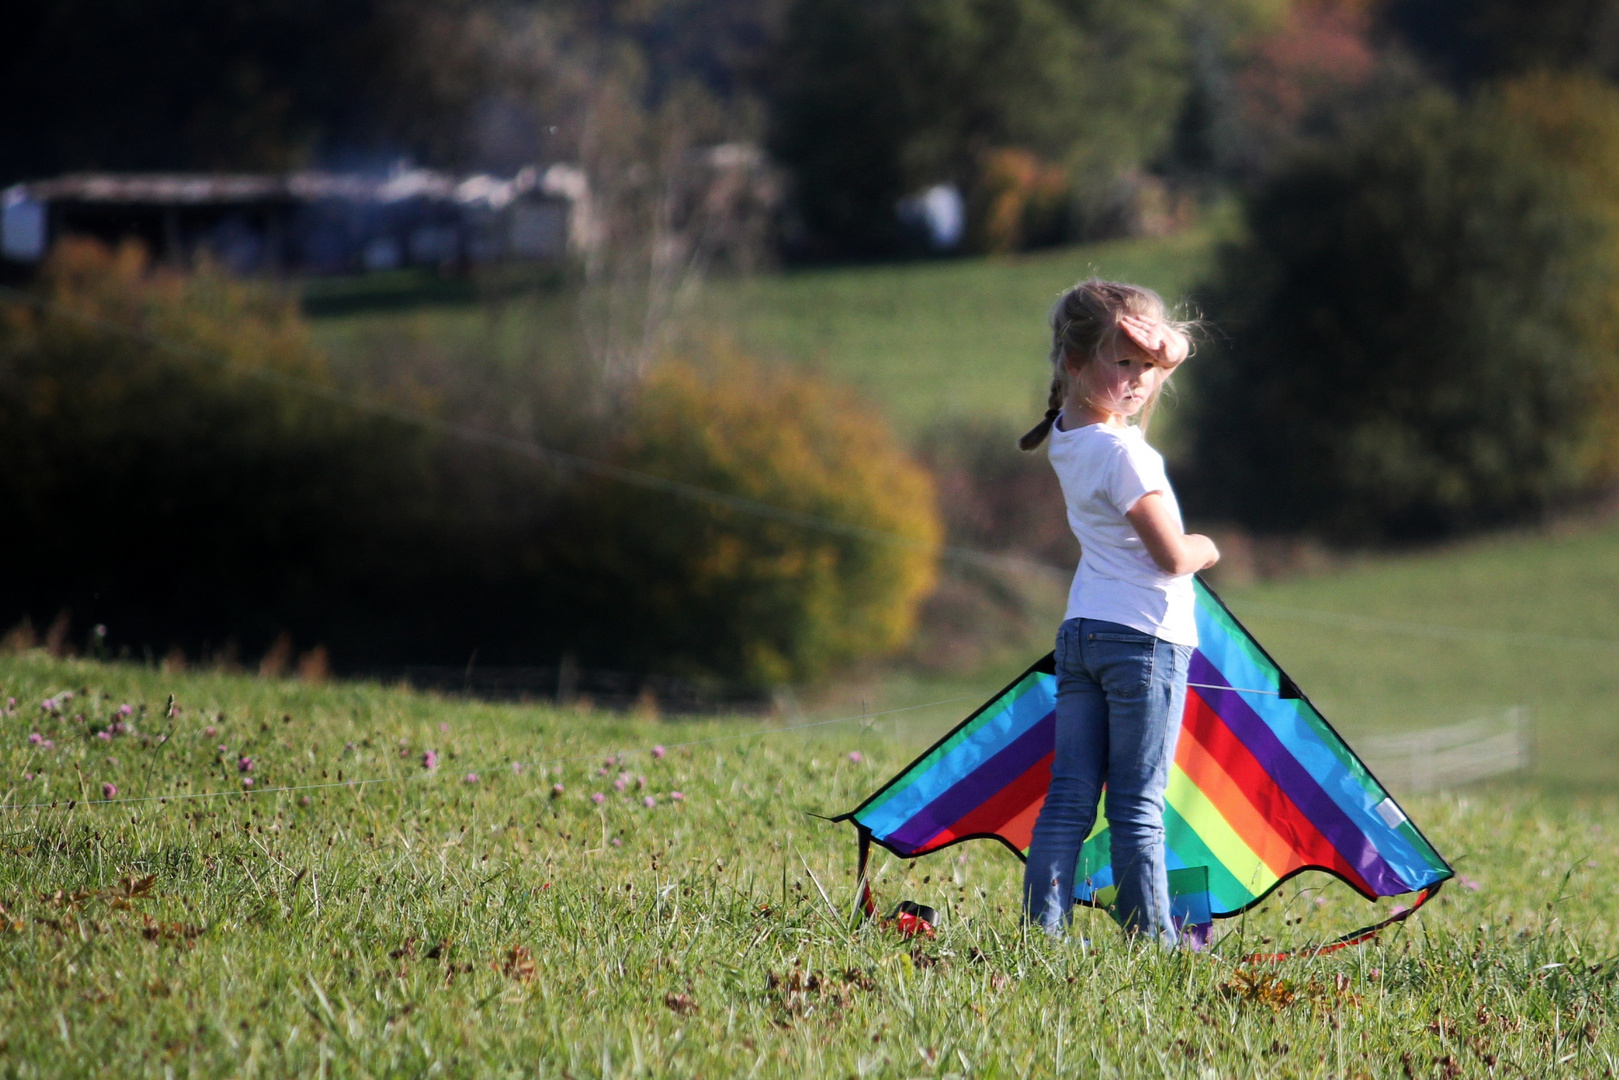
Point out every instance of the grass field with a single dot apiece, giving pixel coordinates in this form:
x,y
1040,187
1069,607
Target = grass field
x,y
464,920
944,340
927,342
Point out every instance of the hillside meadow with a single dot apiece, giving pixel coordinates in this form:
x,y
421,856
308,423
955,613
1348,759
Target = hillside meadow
x,y
274,878
926,342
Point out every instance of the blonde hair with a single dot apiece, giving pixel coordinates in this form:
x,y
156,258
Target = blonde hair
x,y
1084,326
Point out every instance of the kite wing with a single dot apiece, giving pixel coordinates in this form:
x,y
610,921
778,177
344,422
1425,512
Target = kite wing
x,y
1262,788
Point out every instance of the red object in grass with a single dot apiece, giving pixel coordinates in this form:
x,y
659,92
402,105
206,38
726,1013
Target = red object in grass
x,y
912,919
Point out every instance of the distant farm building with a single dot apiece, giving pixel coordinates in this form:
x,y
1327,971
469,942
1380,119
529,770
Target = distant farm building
x,y
308,222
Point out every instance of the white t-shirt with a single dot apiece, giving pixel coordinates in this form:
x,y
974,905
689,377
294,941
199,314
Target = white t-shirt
x,y
1104,471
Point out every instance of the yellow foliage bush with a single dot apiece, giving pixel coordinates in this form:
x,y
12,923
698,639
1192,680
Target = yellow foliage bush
x,y
823,557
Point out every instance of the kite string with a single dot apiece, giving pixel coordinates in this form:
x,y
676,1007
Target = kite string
x,y
244,792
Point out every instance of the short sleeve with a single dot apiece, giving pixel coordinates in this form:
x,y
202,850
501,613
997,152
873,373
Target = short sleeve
x,y
1134,471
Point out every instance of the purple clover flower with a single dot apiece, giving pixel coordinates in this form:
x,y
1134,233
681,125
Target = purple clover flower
x,y
429,759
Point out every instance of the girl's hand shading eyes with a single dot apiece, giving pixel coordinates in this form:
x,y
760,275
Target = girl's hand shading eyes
x,y
1162,342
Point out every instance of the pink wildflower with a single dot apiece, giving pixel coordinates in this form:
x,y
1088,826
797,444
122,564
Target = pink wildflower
x,y
119,727
65,695
601,772
48,745
470,778
48,705
11,703
649,802
856,757
620,783
616,842
125,709
109,790
247,781
1466,882
223,749
306,801
557,791
36,738
598,798
429,759
444,729
27,776
658,751
677,796
105,736
1398,909
640,781
210,731
517,768
244,764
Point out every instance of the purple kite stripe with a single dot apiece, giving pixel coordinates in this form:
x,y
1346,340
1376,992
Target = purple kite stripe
x,y
1295,780
969,793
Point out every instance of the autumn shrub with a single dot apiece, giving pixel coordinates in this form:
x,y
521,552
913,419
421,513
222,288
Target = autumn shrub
x,y
1419,335
832,571
179,464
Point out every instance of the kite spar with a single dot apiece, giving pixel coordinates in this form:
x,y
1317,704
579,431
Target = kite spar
x,y
1262,789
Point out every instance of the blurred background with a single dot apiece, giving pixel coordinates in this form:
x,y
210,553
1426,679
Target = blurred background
x,y
672,352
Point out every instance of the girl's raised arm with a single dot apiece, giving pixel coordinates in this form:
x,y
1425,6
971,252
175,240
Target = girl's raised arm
x,y
1174,551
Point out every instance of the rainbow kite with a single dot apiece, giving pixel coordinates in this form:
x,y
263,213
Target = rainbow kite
x,y
1262,789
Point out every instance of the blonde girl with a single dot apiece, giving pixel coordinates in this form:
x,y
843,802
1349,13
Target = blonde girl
x,y
1128,634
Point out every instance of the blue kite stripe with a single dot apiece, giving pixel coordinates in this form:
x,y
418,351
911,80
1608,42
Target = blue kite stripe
x,y
1300,739
961,798
994,735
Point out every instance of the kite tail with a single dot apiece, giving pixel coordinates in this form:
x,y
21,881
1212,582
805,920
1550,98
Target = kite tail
x,y
1354,937
868,903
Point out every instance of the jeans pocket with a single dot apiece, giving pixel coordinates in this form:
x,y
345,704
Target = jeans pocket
x,y
1145,641
1122,662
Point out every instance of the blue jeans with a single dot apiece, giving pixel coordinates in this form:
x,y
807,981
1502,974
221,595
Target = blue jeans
x,y
1120,694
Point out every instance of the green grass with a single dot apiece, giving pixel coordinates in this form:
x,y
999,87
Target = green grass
x,y
426,925
938,341
1469,631
926,342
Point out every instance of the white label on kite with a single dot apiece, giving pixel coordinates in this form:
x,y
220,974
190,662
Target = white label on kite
x,y
1392,815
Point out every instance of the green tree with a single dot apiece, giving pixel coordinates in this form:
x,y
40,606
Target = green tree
x,y
1419,328
876,98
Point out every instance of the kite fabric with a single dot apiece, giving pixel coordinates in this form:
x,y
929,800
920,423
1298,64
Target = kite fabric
x,y
1262,788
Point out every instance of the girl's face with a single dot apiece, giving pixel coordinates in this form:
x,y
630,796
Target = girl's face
x,y
1118,384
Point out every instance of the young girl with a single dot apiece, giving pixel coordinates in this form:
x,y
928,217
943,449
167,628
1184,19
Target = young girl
x,y
1128,634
